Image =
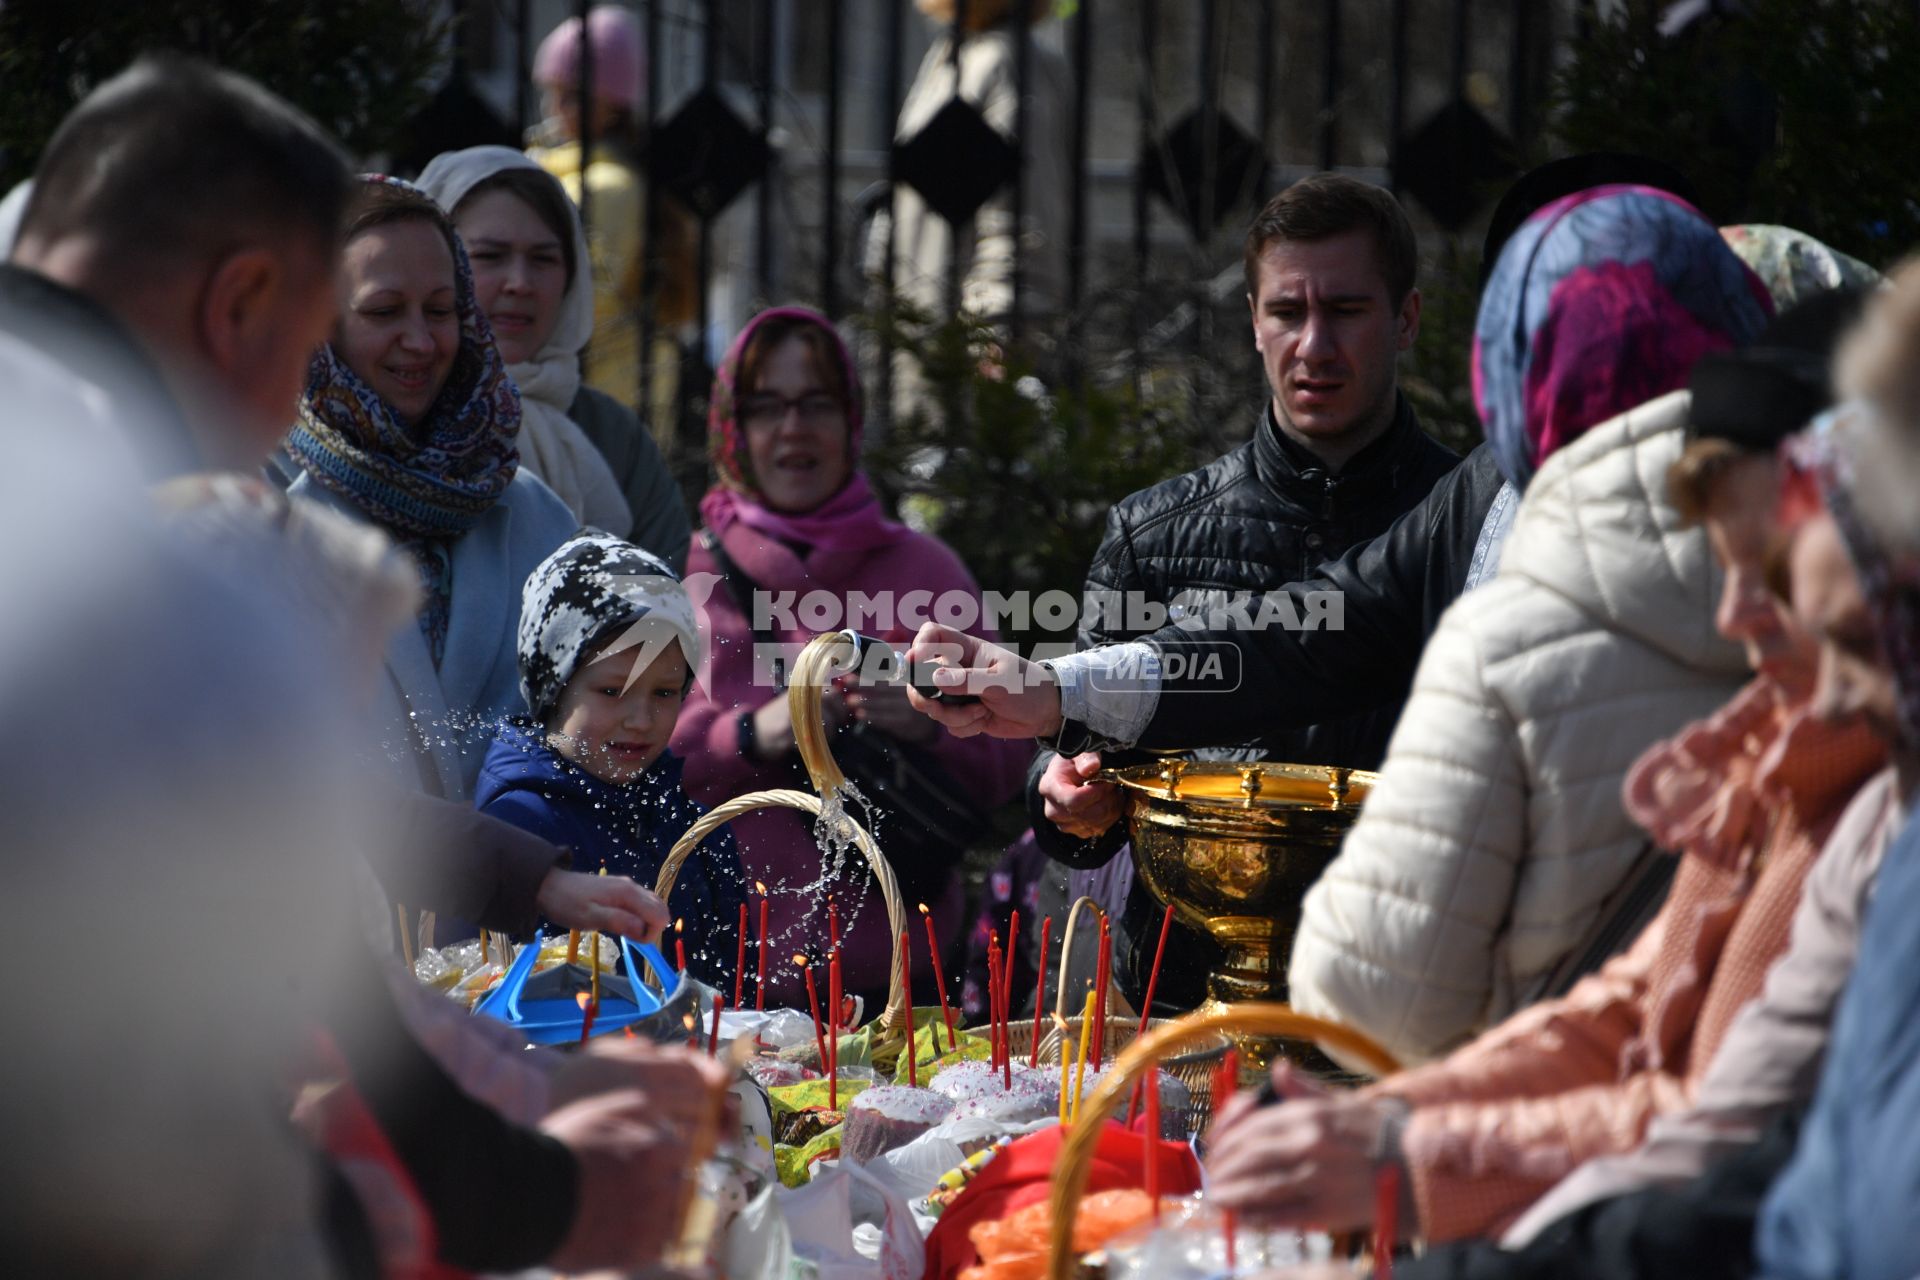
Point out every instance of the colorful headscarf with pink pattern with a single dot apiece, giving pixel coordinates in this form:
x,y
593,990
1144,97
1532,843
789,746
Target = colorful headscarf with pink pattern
x,y
851,520
1601,301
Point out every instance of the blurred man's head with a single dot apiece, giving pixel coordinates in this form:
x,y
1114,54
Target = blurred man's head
x,y
204,213
1330,268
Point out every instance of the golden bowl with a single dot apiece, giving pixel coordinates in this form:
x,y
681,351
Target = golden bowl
x,y
1234,846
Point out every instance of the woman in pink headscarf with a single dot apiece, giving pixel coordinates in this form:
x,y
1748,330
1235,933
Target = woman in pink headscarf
x,y
794,523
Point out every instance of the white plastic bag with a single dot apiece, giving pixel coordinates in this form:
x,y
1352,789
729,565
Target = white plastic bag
x,y
822,1218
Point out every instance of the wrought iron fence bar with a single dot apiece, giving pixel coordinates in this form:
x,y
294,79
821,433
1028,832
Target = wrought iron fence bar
x,y
956,35
703,260
1457,71
522,65
1397,92
1330,88
585,113
1022,72
889,115
763,193
668,432
1142,212
830,181
1202,332
1267,58
1077,209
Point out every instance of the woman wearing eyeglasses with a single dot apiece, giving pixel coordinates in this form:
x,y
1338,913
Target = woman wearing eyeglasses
x,y
793,522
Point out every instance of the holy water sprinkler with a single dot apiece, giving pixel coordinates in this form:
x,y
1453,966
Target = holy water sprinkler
x,y
878,662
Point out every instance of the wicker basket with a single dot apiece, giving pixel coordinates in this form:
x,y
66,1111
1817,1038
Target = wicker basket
x,y
1159,1044
895,1017
813,669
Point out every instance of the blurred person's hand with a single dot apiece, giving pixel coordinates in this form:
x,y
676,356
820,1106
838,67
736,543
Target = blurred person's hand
x,y
885,707
1075,804
1307,1162
682,1084
607,904
1018,699
637,1165
773,721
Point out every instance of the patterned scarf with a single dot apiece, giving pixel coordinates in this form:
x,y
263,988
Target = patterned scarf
x,y
435,479
1600,302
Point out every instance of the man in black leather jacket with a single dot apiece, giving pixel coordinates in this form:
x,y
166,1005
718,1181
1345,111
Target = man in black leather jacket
x,y
1337,457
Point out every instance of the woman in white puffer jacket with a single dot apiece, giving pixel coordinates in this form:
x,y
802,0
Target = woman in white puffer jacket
x,y
1496,835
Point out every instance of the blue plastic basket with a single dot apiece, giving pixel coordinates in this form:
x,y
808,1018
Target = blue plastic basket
x,y
559,1019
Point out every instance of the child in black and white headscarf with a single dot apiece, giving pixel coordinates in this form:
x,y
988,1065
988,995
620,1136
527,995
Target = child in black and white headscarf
x,y
608,646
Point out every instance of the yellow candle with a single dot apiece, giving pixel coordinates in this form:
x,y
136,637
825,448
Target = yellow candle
x,y
573,946
1063,1074
1080,1056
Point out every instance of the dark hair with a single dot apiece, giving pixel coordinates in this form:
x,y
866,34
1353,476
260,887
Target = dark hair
x,y
379,204
823,350
173,160
1330,204
541,192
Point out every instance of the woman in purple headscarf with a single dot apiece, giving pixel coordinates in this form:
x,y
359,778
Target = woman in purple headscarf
x,y
793,523
1496,836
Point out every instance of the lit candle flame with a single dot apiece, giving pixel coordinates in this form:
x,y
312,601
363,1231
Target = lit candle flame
x,y
800,961
582,999
679,924
1059,1021
687,1022
759,888
923,909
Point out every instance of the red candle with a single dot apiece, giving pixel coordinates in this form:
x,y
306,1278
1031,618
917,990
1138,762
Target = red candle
x,y
589,1009
760,976
833,1030
1153,975
1150,1141
740,960
679,946
1386,1215
1040,990
1006,998
939,978
833,926
995,959
813,1004
906,985
713,1037
999,1013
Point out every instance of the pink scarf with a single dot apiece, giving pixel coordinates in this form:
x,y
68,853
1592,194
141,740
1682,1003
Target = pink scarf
x,y
851,520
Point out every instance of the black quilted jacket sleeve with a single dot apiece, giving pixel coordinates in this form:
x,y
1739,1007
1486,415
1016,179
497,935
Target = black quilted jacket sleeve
x,y
1393,590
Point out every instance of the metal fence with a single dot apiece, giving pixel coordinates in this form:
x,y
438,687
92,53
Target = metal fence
x,y
1181,118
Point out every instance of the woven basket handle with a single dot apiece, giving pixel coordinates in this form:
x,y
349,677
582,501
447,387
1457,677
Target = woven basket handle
x,y
1075,1161
896,1015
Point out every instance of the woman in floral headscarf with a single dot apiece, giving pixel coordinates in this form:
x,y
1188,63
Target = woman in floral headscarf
x,y
409,421
1497,836
793,516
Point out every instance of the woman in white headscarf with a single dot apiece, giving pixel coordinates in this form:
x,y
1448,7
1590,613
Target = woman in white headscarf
x,y
530,270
